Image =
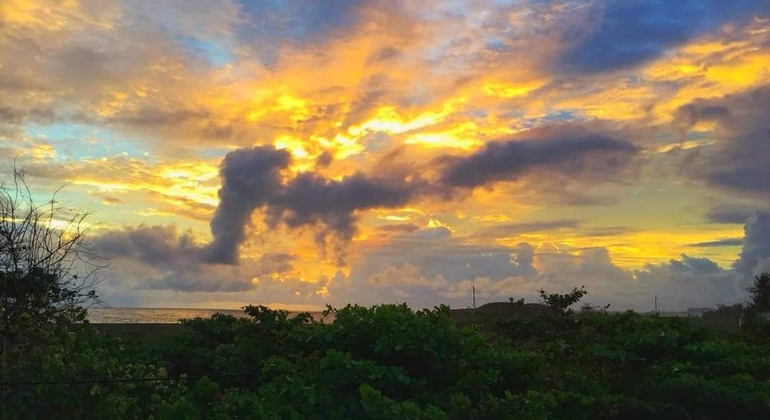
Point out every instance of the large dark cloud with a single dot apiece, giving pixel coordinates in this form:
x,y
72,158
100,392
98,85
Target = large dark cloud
x,y
740,160
250,178
399,227
718,243
256,178
514,229
312,200
506,161
755,255
634,31
162,258
274,263
729,214
151,245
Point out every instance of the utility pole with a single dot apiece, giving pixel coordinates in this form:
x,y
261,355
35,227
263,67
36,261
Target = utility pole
x,y
656,305
474,296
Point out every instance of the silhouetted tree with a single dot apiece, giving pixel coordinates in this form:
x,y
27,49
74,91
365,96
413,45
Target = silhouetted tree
x,y
760,294
560,303
47,272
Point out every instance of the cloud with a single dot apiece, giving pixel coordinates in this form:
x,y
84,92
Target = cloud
x,y
729,214
718,243
628,33
413,267
688,282
250,178
256,178
604,231
160,257
515,229
152,245
508,161
740,160
487,289
430,265
406,275
756,246
274,263
451,269
310,200
163,258
399,227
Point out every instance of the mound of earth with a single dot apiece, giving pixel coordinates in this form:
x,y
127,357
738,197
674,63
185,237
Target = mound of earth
x,y
512,309
482,314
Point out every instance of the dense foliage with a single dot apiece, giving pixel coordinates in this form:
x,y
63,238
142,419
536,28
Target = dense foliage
x,y
390,362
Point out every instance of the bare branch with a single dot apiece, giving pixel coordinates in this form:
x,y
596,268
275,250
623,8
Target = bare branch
x,y
47,269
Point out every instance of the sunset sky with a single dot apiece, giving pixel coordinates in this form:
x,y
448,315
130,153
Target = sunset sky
x,y
302,152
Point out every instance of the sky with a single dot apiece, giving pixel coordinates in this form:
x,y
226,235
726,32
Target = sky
x,y
299,153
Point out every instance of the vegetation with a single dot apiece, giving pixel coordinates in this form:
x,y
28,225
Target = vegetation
x,y
756,316
391,362
46,270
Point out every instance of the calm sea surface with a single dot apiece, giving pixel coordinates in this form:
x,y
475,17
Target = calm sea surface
x,y
159,315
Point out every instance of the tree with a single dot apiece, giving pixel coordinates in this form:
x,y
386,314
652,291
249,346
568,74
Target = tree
x,y
560,303
760,294
47,272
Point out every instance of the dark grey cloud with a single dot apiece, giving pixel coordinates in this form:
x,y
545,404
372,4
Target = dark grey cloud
x,y
151,245
274,263
608,231
399,227
740,160
196,281
756,247
729,214
507,161
688,282
383,55
515,229
718,243
250,178
255,179
156,117
631,32
325,159
162,258
312,200
695,265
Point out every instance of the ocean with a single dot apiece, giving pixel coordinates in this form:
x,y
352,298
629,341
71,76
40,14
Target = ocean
x,y
160,315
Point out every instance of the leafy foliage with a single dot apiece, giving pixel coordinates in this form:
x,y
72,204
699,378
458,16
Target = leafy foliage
x,y
46,270
560,303
392,362
760,293
389,361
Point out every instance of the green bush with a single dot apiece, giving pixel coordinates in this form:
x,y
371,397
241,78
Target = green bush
x,y
391,362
